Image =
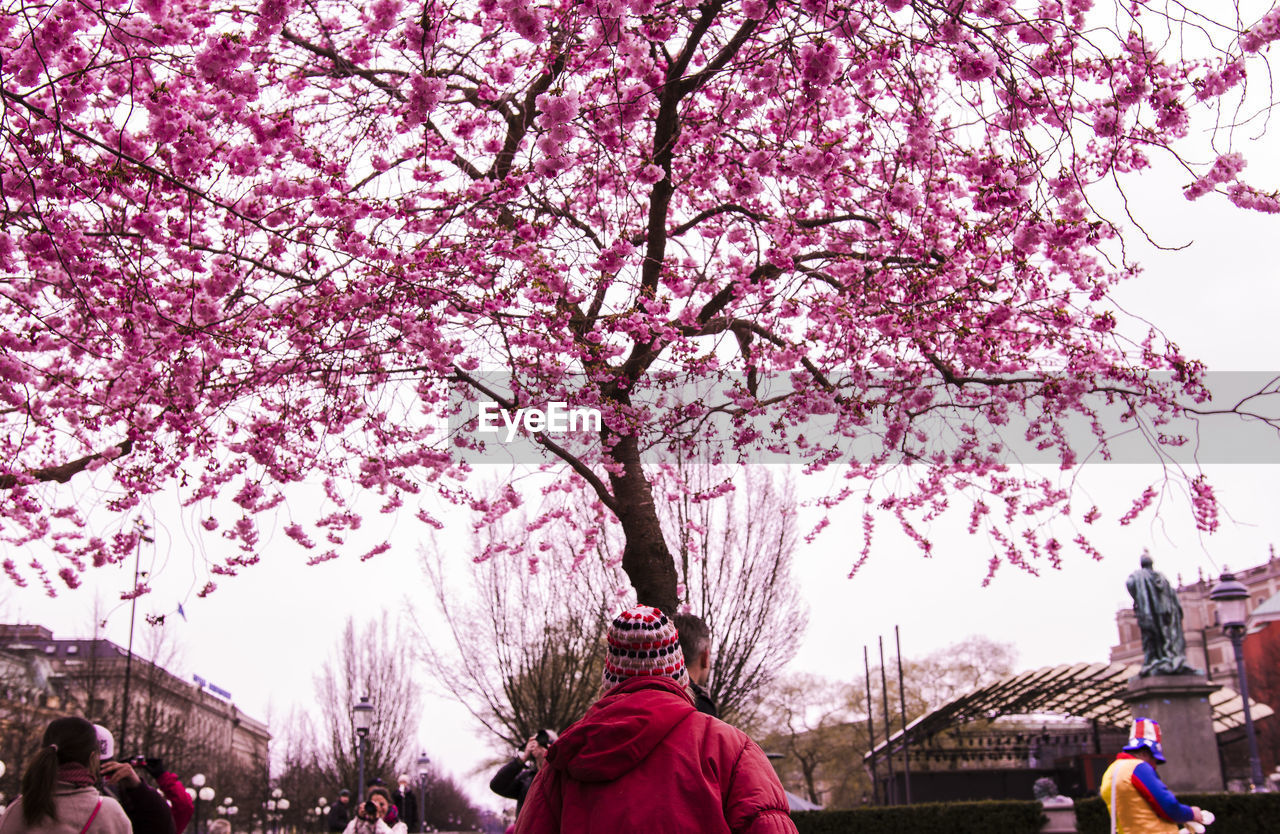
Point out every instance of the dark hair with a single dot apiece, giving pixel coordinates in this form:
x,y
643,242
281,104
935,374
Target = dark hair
x,y
381,791
694,635
66,740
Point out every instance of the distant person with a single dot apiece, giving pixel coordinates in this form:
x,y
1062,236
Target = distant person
x,y
695,642
406,803
386,809
180,804
370,817
220,826
644,759
58,793
515,777
340,812
1139,803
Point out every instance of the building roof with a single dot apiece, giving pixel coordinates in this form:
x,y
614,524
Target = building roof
x,y
1267,612
1084,690
799,803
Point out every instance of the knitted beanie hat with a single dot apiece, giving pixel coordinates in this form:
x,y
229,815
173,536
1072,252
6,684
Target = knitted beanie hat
x,y
643,643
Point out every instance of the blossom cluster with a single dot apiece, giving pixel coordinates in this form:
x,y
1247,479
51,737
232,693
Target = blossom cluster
x,y
256,254
1262,33
1225,169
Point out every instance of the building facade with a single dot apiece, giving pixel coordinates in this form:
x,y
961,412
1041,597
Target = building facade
x,y
191,728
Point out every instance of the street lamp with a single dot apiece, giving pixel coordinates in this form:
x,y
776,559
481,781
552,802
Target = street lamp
x,y
202,791
423,762
362,718
282,805
321,810
1232,600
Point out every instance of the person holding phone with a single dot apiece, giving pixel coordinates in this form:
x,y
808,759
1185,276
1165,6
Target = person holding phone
x,y
515,777
58,794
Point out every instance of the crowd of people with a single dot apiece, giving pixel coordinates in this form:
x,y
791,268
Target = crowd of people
x,y
650,754
382,812
75,785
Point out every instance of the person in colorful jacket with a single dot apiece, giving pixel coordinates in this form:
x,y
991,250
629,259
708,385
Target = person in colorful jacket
x,y
644,759
1138,801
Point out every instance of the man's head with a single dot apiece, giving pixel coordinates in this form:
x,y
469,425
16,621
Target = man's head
x,y
695,642
344,796
220,827
1144,741
643,643
106,743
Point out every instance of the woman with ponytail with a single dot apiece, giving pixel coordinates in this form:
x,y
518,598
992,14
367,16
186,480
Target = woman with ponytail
x,y
58,793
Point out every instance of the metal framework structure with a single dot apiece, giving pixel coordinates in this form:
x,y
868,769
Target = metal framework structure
x,y
1083,690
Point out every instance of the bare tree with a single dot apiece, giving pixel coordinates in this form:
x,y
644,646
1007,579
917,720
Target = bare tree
x,y
528,639
734,532
299,772
447,807
526,643
820,726
810,723
375,660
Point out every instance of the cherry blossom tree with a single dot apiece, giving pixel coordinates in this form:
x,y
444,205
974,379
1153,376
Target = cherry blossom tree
x,y
252,247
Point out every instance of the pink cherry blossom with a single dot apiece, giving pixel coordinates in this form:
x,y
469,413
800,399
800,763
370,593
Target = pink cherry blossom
x,y
258,257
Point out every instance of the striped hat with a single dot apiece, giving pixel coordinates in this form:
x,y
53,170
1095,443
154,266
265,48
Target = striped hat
x,y
1146,734
643,643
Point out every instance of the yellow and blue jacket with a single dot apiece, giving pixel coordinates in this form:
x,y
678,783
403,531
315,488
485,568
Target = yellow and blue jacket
x,y
1144,805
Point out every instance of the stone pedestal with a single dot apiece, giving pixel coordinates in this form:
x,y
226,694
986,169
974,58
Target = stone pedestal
x,y
1181,704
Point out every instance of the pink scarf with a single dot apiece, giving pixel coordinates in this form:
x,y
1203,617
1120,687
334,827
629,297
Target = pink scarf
x,y
75,774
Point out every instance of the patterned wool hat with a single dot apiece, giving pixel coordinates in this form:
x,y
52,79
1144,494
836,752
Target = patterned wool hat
x,y
643,642
1145,734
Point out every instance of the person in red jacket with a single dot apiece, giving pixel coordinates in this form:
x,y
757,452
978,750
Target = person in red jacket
x,y
644,759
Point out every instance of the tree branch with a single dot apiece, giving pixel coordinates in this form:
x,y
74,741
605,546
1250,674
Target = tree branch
x,y
64,472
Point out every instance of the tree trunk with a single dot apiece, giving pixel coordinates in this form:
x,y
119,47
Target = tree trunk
x,y
645,557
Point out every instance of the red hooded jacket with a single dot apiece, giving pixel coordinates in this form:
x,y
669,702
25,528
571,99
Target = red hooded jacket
x,y
643,759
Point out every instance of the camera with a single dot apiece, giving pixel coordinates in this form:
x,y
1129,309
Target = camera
x,y
138,760
543,739
370,810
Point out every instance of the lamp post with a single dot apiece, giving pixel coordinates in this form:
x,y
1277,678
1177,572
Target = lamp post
x,y
1232,600
423,762
321,811
362,718
201,792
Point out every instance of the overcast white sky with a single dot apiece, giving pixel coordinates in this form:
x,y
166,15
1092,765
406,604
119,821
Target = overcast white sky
x,y
263,635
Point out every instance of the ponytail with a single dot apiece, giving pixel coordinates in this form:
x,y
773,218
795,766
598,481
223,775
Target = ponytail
x,y
69,740
37,787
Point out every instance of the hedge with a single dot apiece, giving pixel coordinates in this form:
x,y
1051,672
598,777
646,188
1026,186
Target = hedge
x,y
1236,813
992,817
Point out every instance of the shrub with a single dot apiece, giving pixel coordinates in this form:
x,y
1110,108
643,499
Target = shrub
x,y
995,817
1237,813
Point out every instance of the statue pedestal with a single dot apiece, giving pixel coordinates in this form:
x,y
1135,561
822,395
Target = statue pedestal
x,y
1181,704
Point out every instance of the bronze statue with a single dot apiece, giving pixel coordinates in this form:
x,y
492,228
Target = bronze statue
x,y
1155,602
